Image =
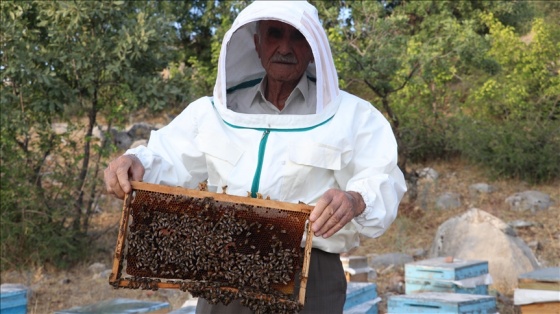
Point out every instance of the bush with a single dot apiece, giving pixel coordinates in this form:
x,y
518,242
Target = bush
x,y
35,220
514,149
428,141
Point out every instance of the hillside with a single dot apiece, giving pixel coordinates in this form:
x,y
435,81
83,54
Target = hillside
x,y
413,230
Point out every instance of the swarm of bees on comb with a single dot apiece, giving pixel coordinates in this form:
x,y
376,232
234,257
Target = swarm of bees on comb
x,y
216,246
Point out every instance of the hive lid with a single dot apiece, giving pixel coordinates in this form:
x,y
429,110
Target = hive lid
x,y
440,268
544,274
9,289
440,262
444,297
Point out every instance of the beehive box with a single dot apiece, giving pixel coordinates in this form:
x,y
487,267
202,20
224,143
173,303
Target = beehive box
x,y
120,306
356,268
447,275
13,299
441,302
539,291
189,307
216,246
361,298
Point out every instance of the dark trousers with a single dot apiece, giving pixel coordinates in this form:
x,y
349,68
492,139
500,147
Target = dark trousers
x,y
325,292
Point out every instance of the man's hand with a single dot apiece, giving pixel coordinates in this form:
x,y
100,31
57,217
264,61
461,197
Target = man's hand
x,y
334,210
119,173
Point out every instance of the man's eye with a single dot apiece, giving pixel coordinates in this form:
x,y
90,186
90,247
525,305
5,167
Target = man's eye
x,y
297,35
275,33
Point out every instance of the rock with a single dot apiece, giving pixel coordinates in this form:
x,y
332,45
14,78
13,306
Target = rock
x,y
140,131
122,140
104,274
482,188
521,224
59,128
139,143
448,200
529,200
137,134
96,268
97,132
479,191
385,260
100,131
477,235
428,174
534,245
417,253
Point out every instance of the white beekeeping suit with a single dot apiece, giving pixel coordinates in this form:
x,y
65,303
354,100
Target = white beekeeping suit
x,y
346,144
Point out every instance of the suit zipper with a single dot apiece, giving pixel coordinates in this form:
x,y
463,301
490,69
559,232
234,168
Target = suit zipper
x,y
257,176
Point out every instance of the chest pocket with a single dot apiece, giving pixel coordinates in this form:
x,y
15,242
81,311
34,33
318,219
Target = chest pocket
x,y
310,169
221,158
316,155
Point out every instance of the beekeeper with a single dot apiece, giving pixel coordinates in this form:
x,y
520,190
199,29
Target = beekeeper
x,y
278,124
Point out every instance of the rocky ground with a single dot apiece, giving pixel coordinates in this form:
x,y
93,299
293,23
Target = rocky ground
x,y
411,233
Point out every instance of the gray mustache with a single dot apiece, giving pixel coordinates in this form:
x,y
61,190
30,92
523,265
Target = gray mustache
x,y
284,59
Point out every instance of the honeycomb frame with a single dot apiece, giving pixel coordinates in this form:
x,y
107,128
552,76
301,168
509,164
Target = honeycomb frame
x,y
267,233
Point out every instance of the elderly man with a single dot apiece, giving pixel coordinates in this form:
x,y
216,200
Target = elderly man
x,y
279,125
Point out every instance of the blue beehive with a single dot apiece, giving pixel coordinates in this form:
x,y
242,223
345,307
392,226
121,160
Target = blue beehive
x,y
120,306
438,275
13,299
440,302
361,298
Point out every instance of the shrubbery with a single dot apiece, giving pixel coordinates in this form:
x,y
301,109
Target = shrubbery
x,y
513,149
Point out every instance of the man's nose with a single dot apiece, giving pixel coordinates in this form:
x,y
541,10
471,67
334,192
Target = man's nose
x,y
285,46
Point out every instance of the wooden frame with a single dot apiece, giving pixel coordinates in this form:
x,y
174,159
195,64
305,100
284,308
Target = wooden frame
x,y
118,260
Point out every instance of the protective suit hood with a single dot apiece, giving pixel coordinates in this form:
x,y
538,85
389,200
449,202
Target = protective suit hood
x,y
239,63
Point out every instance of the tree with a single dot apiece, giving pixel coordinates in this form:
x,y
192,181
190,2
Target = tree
x,y
201,25
410,57
69,61
511,118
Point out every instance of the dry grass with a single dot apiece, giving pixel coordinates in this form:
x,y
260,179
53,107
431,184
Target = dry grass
x,y
414,229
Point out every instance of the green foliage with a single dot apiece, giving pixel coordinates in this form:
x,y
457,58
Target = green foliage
x,y
517,149
527,85
428,64
198,64
69,62
511,119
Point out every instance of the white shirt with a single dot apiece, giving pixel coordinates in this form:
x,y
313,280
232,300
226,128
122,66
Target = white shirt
x,y
252,100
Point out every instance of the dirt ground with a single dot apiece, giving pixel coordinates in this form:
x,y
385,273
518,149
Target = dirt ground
x,y
413,230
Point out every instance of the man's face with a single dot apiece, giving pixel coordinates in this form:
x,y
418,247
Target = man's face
x,y
283,50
